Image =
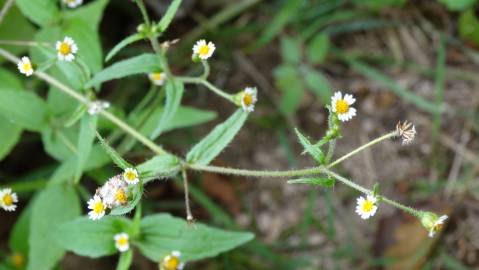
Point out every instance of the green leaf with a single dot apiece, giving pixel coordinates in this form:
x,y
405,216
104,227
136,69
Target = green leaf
x,y
324,182
318,48
319,85
169,15
136,65
160,234
291,50
125,260
54,205
91,13
94,239
174,92
18,241
85,142
380,4
24,109
458,5
59,143
288,79
469,26
9,80
115,156
210,146
9,136
137,193
158,166
313,150
15,27
125,42
41,12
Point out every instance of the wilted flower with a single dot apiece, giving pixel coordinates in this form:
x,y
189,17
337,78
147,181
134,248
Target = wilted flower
x,y
432,222
8,199
97,207
130,176
342,106
25,66
204,50
157,78
122,242
249,98
172,261
72,3
66,49
366,208
406,131
95,107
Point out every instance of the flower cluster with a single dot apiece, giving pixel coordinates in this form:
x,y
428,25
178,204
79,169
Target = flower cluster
x,y
95,107
114,193
8,199
172,261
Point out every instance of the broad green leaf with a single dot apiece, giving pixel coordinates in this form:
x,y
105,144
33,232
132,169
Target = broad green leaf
x,y
136,193
136,65
60,143
458,5
18,241
311,149
60,104
469,26
125,260
15,27
288,80
324,182
291,50
9,80
24,109
91,13
174,92
80,110
125,42
169,15
9,136
54,205
86,237
211,145
161,234
319,85
158,166
318,48
85,142
115,156
41,12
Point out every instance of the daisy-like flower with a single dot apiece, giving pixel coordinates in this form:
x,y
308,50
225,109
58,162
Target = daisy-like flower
x,y
249,98
25,66
130,176
342,106
432,222
72,3
97,207
95,107
8,199
66,49
203,50
406,131
113,192
172,261
366,207
122,242
157,78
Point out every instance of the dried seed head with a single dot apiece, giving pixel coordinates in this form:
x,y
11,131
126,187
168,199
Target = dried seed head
x,y
406,131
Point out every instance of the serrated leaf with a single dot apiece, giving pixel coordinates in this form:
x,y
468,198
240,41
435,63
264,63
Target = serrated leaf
x,y
211,145
54,205
158,166
24,109
160,234
89,238
174,92
85,142
169,15
137,193
324,182
125,42
115,156
41,12
318,48
141,64
311,149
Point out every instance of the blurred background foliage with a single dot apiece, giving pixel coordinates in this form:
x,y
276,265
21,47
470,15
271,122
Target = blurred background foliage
x,y
414,60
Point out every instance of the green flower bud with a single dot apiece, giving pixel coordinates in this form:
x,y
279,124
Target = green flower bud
x,y
195,58
432,222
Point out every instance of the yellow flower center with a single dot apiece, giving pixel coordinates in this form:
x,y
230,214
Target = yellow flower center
x,y
172,263
342,106
368,206
122,241
204,50
437,227
130,175
247,99
120,196
156,76
98,208
18,260
27,66
65,48
7,199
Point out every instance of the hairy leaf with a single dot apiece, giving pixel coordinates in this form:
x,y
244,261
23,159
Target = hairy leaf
x,y
115,156
158,166
313,150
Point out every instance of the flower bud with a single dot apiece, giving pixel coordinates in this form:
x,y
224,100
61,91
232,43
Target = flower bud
x,y
432,222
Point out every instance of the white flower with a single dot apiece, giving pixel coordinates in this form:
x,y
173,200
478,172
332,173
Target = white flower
x,y
122,242
172,261
25,66
437,225
203,50
249,98
157,78
95,107
130,176
66,49
97,207
342,106
406,131
72,3
366,208
113,192
8,199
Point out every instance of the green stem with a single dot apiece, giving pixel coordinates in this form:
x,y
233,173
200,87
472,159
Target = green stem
x,y
406,209
256,173
142,8
23,43
206,71
208,85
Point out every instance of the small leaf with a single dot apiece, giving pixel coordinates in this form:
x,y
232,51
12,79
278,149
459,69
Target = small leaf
x,y
160,234
174,92
313,150
169,15
115,156
137,194
18,241
324,182
211,145
290,50
318,48
24,109
136,65
90,238
288,80
158,166
85,142
125,260
319,85
125,42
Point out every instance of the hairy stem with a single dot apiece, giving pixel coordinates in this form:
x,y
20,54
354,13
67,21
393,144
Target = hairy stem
x,y
256,173
208,85
189,216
